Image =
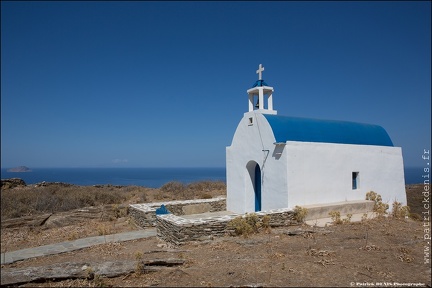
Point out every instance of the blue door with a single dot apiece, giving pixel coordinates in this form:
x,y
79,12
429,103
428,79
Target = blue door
x,y
257,188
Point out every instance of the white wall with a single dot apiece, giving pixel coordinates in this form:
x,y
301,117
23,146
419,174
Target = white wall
x,y
322,172
307,173
248,144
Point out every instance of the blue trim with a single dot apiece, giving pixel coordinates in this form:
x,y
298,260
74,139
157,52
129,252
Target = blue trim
x,y
259,83
326,131
354,180
257,188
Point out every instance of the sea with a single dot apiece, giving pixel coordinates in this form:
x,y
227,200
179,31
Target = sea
x,y
147,177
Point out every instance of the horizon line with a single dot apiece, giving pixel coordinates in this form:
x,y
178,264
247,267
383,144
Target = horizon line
x,y
101,167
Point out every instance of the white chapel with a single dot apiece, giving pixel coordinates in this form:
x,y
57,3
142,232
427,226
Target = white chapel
x,y
280,162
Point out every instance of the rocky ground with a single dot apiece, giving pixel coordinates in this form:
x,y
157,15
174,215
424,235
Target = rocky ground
x,y
386,250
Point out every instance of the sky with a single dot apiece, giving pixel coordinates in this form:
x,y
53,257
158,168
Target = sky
x,y
163,84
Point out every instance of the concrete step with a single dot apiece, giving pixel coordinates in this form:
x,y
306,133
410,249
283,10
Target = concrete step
x,y
319,211
324,222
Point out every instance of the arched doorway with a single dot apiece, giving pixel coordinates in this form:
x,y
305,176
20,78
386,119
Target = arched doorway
x,y
255,178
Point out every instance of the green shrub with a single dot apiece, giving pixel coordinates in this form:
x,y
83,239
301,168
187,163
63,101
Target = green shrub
x,y
337,219
300,214
248,224
347,219
240,226
253,220
379,207
399,211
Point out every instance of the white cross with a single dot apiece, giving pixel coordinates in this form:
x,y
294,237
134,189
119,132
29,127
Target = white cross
x,y
259,71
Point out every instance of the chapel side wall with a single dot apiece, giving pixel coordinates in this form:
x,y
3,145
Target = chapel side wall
x,y
322,173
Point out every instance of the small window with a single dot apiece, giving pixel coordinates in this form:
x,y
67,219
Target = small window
x,y
355,180
250,121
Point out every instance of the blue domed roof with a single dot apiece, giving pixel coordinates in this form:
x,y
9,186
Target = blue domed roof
x,y
326,131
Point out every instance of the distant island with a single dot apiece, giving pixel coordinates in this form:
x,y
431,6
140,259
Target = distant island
x,y
19,169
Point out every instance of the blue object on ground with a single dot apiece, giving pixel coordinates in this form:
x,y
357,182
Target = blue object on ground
x,y
162,210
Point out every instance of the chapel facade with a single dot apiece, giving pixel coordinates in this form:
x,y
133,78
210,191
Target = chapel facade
x,y
281,162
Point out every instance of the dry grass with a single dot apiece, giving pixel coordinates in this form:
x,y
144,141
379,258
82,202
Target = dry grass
x,y
392,253
300,214
59,197
375,250
195,190
26,237
56,198
249,224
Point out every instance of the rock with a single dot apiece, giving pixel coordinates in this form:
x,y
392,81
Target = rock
x,y
11,183
30,221
59,184
104,213
301,231
61,219
71,270
58,271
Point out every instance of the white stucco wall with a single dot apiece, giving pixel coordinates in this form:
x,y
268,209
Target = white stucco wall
x,y
303,173
322,172
248,144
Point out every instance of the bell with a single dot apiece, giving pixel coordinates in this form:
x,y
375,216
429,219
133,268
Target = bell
x,y
257,104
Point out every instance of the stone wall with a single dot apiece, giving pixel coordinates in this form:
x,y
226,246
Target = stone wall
x,y
279,217
145,214
178,230
199,206
186,222
170,229
144,219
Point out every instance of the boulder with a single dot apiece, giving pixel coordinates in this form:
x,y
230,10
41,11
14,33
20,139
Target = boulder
x,y
72,270
11,183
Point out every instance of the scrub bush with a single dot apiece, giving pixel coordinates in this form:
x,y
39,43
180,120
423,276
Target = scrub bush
x,y
399,211
300,214
337,219
379,207
248,224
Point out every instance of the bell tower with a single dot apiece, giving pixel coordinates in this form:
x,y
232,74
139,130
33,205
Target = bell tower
x,y
263,95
